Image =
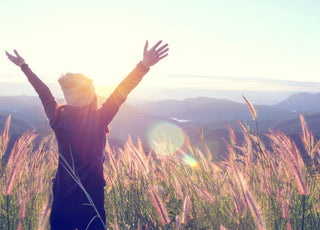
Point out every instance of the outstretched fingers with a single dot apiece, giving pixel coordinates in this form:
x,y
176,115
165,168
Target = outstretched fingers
x,y
12,56
18,60
161,48
9,56
161,57
16,52
163,51
156,45
155,54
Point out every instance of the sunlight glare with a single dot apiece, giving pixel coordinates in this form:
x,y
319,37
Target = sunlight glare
x,y
189,160
165,138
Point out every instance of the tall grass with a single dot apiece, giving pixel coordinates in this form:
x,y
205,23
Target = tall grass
x,y
260,185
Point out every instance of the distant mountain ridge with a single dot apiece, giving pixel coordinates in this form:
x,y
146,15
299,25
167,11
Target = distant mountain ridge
x,y
301,102
200,112
293,125
207,110
16,126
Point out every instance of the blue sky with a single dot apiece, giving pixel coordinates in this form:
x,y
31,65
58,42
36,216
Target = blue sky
x,y
104,39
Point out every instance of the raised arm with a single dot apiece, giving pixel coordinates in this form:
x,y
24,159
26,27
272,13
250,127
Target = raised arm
x,y
46,97
150,57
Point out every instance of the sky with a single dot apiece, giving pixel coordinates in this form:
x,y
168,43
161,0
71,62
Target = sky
x,y
213,44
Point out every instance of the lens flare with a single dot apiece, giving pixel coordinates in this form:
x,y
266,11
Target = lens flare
x,y
165,138
189,159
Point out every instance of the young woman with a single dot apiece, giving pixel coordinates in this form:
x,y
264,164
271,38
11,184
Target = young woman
x,y
80,129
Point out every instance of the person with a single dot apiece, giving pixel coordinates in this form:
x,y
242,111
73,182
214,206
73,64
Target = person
x,y
80,128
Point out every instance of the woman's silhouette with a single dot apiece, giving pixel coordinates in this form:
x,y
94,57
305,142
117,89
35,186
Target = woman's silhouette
x,y
80,129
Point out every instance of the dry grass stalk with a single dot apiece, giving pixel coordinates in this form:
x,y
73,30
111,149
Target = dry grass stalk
x,y
22,198
185,209
204,161
308,139
285,207
161,174
223,227
16,162
235,199
204,193
178,223
160,207
247,147
251,108
255,210
4,138
177,185
140,159
289,226
232,135
19,225
111,158
44,214
293,161
207,150
114,226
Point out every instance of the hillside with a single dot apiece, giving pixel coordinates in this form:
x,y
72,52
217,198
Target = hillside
x,y
205,113
28,109
293,125
207,110
16,126
131,121
301,102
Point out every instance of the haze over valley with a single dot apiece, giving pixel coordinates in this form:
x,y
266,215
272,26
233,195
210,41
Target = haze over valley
x,y
192,115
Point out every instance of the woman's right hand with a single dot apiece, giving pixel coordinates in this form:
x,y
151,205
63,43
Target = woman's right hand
x,y
18,60
152,56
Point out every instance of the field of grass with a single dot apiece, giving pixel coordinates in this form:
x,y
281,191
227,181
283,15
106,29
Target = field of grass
x,y
257,186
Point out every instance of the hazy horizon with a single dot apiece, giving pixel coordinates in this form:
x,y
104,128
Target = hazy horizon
x,y
258,91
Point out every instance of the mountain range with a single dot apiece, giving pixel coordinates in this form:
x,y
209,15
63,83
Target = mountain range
x,y
191,115
302,102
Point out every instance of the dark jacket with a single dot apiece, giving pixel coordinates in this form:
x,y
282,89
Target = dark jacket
x,y
81,133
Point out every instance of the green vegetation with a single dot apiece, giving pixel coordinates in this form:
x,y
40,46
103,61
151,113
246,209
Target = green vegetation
x,y
257,186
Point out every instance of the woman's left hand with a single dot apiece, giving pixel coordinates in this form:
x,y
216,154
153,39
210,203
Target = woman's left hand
x,y
18,60
155,54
